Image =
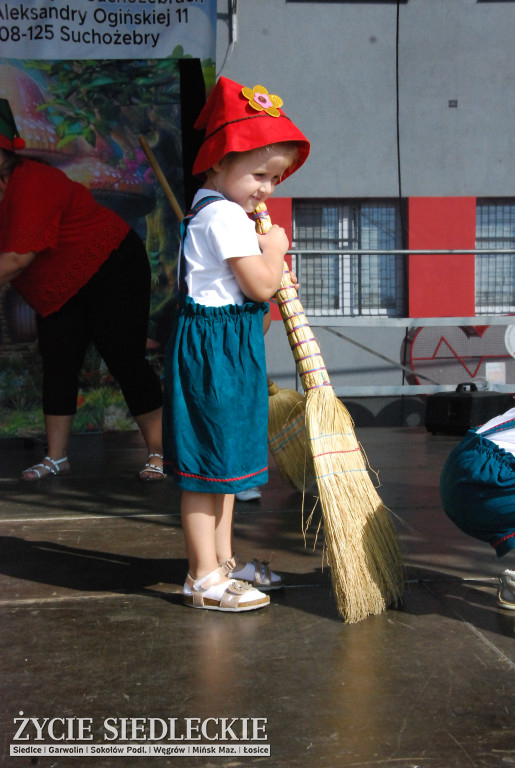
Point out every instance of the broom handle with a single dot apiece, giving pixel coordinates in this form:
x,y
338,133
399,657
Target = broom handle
x,y
161,178
306,352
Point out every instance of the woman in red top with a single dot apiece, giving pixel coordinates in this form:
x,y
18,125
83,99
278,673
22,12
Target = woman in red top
x,y
86,274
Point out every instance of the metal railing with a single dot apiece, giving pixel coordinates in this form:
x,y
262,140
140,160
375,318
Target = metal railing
x,y
332,323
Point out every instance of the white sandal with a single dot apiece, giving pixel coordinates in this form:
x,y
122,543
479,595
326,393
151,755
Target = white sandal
x,y
43,470
256,573
216,592
155,472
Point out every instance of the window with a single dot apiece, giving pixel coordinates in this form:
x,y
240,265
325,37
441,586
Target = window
x,y
340,282
495,272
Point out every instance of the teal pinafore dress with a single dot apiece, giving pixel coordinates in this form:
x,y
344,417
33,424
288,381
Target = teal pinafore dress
x,y
215,409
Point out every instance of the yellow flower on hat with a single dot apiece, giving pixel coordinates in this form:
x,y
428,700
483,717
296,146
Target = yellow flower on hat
x,y
261,100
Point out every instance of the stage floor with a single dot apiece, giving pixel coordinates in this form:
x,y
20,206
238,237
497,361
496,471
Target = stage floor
x,y
92,626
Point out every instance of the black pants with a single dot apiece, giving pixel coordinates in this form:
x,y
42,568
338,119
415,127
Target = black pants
x,y
111,312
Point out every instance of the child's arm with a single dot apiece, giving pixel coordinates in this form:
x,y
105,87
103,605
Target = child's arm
x,y
259,277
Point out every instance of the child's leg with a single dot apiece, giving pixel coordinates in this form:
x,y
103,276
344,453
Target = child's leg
x,y
224,525
256,573
207,524
198,515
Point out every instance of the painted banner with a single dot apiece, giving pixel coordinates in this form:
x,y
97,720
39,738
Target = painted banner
x,y
106,29
86,78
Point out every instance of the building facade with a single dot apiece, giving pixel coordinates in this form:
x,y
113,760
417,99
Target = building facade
x,y
405,209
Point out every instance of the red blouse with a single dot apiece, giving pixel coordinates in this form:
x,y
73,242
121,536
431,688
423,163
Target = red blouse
x,y
46,212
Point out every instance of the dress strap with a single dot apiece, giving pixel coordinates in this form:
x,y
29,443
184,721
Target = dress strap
x,y
199,205
502,427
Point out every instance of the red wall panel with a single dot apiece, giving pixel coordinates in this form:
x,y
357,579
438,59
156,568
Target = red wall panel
x,y
441,285
280,210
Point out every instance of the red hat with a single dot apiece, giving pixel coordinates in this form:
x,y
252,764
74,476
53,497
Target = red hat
x,y
237,119
9,137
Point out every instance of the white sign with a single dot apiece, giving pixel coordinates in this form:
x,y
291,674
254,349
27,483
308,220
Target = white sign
x,y
495,373
107,29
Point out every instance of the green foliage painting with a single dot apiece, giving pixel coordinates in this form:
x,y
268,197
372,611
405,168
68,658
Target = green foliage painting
x,y
85,117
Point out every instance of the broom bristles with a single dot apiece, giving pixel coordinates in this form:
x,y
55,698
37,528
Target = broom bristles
x,y
361,541
287,436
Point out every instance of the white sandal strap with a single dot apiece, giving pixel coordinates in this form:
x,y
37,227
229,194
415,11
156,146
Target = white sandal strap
x,y
152,468
36,471
54,469
202,585
231,595
263,578
55,463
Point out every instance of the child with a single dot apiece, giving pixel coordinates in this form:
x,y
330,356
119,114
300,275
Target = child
x,y
216,395
477,488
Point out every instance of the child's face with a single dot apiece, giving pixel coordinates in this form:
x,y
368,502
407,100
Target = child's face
x,y
249,178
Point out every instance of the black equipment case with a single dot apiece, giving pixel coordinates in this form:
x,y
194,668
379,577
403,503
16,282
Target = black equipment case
x,y
453,413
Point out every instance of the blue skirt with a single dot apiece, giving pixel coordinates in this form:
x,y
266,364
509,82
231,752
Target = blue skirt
x,y
215,409
477,488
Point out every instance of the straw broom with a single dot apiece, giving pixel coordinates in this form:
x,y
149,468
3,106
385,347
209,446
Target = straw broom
x,y
286,411
287,438
361,541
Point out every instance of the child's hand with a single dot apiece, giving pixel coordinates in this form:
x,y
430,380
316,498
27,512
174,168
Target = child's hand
x,y
275,239
295,280
259,276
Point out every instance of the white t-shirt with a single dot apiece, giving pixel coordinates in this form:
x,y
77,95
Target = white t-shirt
x,y
218,232
504,438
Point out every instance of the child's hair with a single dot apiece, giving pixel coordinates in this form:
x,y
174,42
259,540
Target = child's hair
x,y
290,149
